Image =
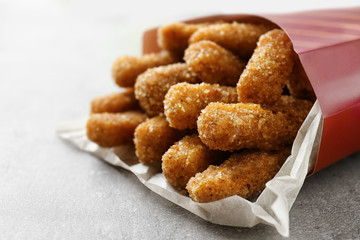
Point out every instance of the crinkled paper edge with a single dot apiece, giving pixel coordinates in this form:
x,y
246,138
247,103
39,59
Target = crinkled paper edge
x,y
272,207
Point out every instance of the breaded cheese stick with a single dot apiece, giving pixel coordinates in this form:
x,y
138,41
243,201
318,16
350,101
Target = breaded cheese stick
x,y
113,129
152,86
115,102
126,69
244,174
174,37
184,102
268,69
153,137
299,84
213,64
239,38
247,125
186,158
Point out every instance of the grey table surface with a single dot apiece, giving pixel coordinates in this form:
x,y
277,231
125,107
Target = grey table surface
x,y
55,56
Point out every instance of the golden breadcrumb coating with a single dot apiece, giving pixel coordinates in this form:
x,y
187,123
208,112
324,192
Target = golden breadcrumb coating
x,y
239,38
244,174
299,84
184,102
115,102
268,69
153,138
126,69
247,125
213,64
152,86
186,158
243,68
113,129
174,37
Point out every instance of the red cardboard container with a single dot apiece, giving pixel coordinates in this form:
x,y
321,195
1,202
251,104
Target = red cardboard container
x,y
328,45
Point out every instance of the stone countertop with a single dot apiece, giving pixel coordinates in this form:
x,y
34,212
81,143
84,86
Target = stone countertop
x,y
55,57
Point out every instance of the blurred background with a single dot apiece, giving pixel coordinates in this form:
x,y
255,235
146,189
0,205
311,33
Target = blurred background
x,y
55,56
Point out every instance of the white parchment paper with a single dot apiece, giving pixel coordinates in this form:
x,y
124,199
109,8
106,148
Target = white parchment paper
x,y
272,207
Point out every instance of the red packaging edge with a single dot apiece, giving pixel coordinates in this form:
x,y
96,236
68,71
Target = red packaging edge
x,y
331,63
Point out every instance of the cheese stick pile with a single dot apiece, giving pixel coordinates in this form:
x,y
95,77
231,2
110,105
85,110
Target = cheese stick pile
x,y
219,107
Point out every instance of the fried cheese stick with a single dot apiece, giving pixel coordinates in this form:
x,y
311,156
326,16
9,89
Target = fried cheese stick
x,y
239,38
113,129
186,158
246,125
184,102
115,102
213,63
244,174
152,86
299,84
174,37
153,138
126,69
268,69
